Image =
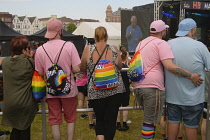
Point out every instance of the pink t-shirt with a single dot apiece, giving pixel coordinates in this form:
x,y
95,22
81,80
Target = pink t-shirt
x,y
155,51
69,57
81,79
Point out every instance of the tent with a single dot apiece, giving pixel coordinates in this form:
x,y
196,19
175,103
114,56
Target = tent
x,y
78,40
87,29
6,34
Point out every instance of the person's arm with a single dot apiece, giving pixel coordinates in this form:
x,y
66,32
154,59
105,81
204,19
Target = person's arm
x,y
85,57
39,64
129,33
118,61
76,69
75,59
178,71
1,61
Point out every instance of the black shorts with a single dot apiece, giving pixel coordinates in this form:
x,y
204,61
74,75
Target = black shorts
x,y
90,104
82,89
125,97
205,113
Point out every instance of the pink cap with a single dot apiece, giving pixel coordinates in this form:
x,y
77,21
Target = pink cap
x,y
158,26
53,26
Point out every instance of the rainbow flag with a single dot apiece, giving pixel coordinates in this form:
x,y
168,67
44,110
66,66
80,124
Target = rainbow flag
x,y
38,86
135,70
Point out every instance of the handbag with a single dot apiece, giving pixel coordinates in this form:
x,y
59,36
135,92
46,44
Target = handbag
x,y
38,85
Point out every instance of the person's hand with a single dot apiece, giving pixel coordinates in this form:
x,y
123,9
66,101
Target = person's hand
x,y
28,53
132,31
136,39
196,80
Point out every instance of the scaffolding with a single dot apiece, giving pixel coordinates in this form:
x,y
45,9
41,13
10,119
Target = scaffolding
x,y
158,4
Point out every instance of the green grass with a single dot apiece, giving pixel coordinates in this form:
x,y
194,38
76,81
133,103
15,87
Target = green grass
x,y
82,131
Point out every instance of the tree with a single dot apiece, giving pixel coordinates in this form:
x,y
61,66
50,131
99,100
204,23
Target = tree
x,y
71,27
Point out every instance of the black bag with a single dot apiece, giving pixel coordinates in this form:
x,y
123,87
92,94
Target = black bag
x,y
57,82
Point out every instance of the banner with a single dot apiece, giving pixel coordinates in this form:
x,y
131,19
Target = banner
x,y
198,5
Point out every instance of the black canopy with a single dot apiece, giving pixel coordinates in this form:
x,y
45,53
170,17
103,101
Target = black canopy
x,y
7,33
78,40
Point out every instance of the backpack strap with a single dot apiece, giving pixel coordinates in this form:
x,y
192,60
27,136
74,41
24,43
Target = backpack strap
x,y
31,63
58,55
142,49
97,63
146,44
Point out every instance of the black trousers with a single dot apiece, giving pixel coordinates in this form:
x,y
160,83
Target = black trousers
x,y
106,111
20,134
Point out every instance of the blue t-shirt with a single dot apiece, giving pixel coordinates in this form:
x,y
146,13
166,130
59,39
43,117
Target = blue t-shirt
x,y
132,44
193,56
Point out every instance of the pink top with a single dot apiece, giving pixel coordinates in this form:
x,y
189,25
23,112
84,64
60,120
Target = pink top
x,y
81,79
69,57
155,51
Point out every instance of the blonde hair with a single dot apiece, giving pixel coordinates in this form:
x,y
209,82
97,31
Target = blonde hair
x,y
101,34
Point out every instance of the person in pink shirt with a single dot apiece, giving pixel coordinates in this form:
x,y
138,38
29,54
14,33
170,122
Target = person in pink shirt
x,y
150,92
81,81
69,61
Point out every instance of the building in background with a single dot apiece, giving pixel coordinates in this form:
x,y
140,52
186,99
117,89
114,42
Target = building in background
x,y
66,21
35,25
113,16
30,25
26,25
6,17
43,21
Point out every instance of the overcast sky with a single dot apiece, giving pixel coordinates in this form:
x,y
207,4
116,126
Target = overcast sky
x,y
75,9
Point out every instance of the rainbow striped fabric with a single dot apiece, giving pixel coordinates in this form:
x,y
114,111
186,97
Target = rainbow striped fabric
x,y
105,75
38,86
135,70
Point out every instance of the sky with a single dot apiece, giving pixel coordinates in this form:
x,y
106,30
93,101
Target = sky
x,y
75,9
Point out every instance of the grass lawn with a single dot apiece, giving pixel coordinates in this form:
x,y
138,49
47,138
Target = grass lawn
x,y
83,132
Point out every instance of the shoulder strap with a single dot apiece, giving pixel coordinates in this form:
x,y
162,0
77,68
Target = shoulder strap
x,y
60,52
97,63
156,63
151,68
145,44
31,63
58,55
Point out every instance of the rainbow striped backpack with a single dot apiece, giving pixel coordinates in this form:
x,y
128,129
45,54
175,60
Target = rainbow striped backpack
x,y
135,70
57,83
105,76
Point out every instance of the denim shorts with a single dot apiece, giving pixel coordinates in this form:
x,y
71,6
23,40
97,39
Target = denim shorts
x,y
151,100
190,115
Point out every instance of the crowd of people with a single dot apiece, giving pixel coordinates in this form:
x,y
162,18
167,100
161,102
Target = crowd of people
x,y
175,78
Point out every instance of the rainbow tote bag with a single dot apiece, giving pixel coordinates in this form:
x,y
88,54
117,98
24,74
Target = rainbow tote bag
x,y
38,86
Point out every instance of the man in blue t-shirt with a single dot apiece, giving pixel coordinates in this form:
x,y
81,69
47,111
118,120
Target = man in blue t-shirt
x,y
184,100
133,35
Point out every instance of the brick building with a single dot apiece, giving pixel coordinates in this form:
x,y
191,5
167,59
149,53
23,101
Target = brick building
x,y
113,16
6,17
